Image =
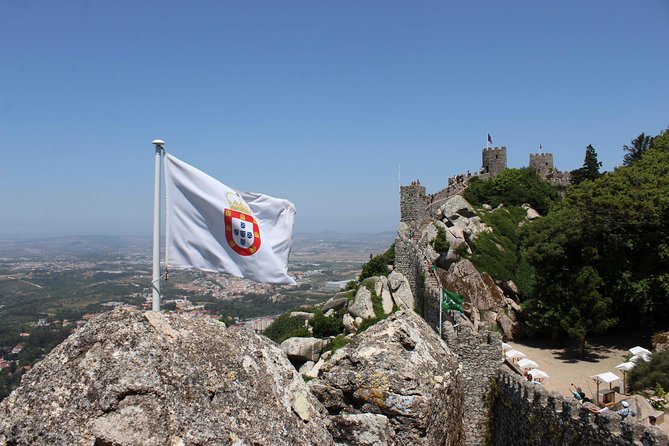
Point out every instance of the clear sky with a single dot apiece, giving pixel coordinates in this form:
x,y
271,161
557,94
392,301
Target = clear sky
x,y
314,101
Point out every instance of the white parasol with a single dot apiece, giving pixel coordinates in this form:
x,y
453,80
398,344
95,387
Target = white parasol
x,y
514,354
538,374
527,364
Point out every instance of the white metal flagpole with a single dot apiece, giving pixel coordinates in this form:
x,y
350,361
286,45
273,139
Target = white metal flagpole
x,y
155,283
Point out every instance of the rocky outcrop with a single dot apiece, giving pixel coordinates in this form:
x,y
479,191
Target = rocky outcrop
x,y
457,212
303,349
132,378
395,384
362,304
485,302
401,291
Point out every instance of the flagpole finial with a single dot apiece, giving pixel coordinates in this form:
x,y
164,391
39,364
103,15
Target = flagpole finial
x,y
158,142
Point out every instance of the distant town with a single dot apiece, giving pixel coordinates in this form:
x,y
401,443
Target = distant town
x,y
50,288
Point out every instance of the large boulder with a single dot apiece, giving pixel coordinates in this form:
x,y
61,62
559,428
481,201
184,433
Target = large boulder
x,y
457,207
133,378
303,349
401,291
362,304
382,290
485,302
400,372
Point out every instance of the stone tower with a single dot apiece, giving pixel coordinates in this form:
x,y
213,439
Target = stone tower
x,y
413,202
542,163
494,161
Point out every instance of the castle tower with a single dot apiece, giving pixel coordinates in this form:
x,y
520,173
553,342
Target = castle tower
x,y
494,161
542,163
413,201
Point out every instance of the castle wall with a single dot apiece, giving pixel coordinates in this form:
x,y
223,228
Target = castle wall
x,y
413,202
480,355
527,414
494,161
542,163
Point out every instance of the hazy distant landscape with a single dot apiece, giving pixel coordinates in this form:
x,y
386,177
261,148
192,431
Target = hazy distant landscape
x,y
51,286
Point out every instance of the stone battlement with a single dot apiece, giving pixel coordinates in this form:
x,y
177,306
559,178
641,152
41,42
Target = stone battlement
x,y
526,413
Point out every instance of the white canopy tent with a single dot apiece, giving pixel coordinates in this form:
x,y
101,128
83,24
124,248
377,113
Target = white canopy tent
x,y
639,350
527,364
538,374
514,355
506,347
625,367
607,377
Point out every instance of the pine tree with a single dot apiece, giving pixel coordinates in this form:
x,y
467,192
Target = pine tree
x,y
639,145
590,169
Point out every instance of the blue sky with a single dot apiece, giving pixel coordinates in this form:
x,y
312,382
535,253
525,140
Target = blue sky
x,y
317,102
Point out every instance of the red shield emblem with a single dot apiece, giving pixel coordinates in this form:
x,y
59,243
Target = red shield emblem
x,y
241,232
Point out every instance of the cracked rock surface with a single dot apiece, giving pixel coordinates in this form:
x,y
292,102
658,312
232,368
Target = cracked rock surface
x,y
133,378
395,384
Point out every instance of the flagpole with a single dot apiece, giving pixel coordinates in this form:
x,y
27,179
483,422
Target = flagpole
x,y
155,282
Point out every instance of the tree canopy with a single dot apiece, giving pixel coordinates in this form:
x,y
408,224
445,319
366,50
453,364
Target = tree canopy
x,y
601,256
513,187
590,169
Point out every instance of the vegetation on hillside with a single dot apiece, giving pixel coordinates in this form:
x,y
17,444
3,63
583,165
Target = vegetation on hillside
x,y
601,256
497,253
378,265
513,187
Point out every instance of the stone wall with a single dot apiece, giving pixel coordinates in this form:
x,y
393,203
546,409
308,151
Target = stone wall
x,y
494,160
413,202
527,414
480,355
407,263
542,163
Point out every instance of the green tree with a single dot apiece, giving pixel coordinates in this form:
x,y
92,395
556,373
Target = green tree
x,y
378,265
661,141
590,169
639,145
513,187
606,246
587,310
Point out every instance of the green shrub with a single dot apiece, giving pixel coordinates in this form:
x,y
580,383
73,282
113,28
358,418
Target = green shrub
x,y
378,265
327,326
440,243
513,187
286,326
648,375
337,342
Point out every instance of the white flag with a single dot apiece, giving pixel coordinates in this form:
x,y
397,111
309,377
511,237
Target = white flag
x,y
215,228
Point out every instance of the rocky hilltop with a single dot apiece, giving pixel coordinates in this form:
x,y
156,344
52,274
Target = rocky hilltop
x,y
132,378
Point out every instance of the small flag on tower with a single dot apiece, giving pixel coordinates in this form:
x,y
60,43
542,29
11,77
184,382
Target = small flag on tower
x,y
489,139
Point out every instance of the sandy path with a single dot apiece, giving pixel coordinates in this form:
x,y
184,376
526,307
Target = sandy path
x,y
565,368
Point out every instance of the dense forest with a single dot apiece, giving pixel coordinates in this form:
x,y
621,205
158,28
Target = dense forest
x,y
599,258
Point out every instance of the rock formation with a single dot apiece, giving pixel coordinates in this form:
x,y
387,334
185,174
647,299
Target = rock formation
x,y
395,384
132,378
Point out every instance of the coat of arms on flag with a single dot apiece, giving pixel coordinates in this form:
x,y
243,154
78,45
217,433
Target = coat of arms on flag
x,y
241,232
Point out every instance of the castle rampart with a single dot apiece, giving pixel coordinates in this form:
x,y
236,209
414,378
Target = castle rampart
x,y
413,203
542,163
525,413
494,161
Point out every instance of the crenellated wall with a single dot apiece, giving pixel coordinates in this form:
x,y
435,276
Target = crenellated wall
x,y
413,202
542,163
527,414
480,355
494,161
